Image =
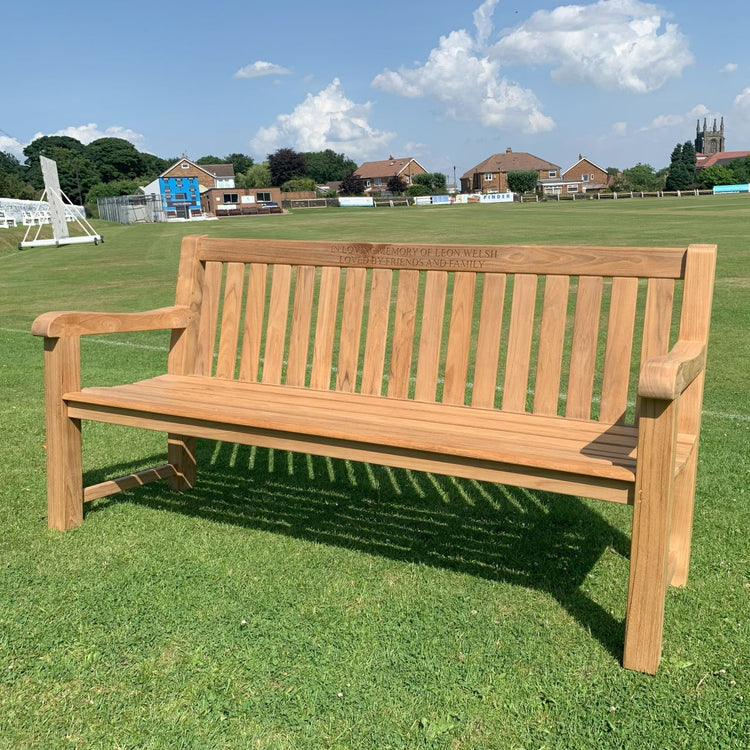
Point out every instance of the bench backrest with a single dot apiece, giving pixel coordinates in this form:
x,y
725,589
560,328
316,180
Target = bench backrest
x,y
550,330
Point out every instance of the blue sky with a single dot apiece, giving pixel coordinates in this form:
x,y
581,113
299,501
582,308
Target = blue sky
x,y
449,82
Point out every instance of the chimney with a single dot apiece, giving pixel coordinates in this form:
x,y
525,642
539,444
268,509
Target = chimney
x,y
509,150
580,156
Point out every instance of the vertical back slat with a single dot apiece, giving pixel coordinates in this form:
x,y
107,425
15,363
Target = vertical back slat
x,y
551,342
619,350
299,338
351,329
658,318
255,306
488,340
226,363
433,311
583,348
519,342
325,327
209,318
278,312
459,338
403,334
377,331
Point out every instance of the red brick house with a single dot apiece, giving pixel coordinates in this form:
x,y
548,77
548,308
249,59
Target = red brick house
x,y
377,173
491,175
583,177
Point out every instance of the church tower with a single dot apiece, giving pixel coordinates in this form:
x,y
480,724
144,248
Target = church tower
x,y
709,141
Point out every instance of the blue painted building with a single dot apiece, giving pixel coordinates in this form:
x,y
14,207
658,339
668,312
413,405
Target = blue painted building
x,y
180,195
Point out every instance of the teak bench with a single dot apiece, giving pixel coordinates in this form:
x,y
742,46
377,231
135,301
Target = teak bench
x,y
576,370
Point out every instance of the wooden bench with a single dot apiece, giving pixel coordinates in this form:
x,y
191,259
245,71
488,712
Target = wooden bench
x,y
576,370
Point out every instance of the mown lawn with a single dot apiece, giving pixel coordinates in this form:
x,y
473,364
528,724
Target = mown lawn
x,y
297,602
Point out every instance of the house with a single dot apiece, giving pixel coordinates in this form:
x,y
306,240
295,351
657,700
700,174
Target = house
x,y
218,201
718,157
491,175
583,177
377,173
182,184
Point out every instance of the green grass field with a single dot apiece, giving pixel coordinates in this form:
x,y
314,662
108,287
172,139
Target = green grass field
x,y
298,602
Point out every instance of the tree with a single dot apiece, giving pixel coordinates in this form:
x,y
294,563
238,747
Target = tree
x,y
299,185
328,166
258,176
10,165
689,158
435,182
396,184
641,177
153,166
678,177
418,189
352,185
115,159
718,174
44,146
741,170
286,164
210,160
681,167
240,162
12,186
76,172
522,181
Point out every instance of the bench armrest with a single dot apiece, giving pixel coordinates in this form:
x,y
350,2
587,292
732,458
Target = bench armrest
x,y
58,324
666,377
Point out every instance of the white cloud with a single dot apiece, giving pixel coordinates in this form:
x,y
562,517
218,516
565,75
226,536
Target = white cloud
x,y
324,120
729,68
742,101
92,131
620,45
12,146
672,121
620,128
467,83
741,118
83,133
261,68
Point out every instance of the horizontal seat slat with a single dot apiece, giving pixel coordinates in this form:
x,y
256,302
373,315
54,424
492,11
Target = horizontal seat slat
x,y
525,440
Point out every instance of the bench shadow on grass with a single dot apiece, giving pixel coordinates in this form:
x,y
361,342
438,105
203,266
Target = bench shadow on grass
x,y
533,539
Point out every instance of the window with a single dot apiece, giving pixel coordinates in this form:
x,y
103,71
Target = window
x,y
180,196
378,182
584,178
231,198
263,197
572,188
488,176
591,176
185,165
552,173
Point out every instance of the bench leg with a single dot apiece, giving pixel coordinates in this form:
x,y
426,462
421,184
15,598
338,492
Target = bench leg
x,y
64,465
181,454
652,516
682,520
